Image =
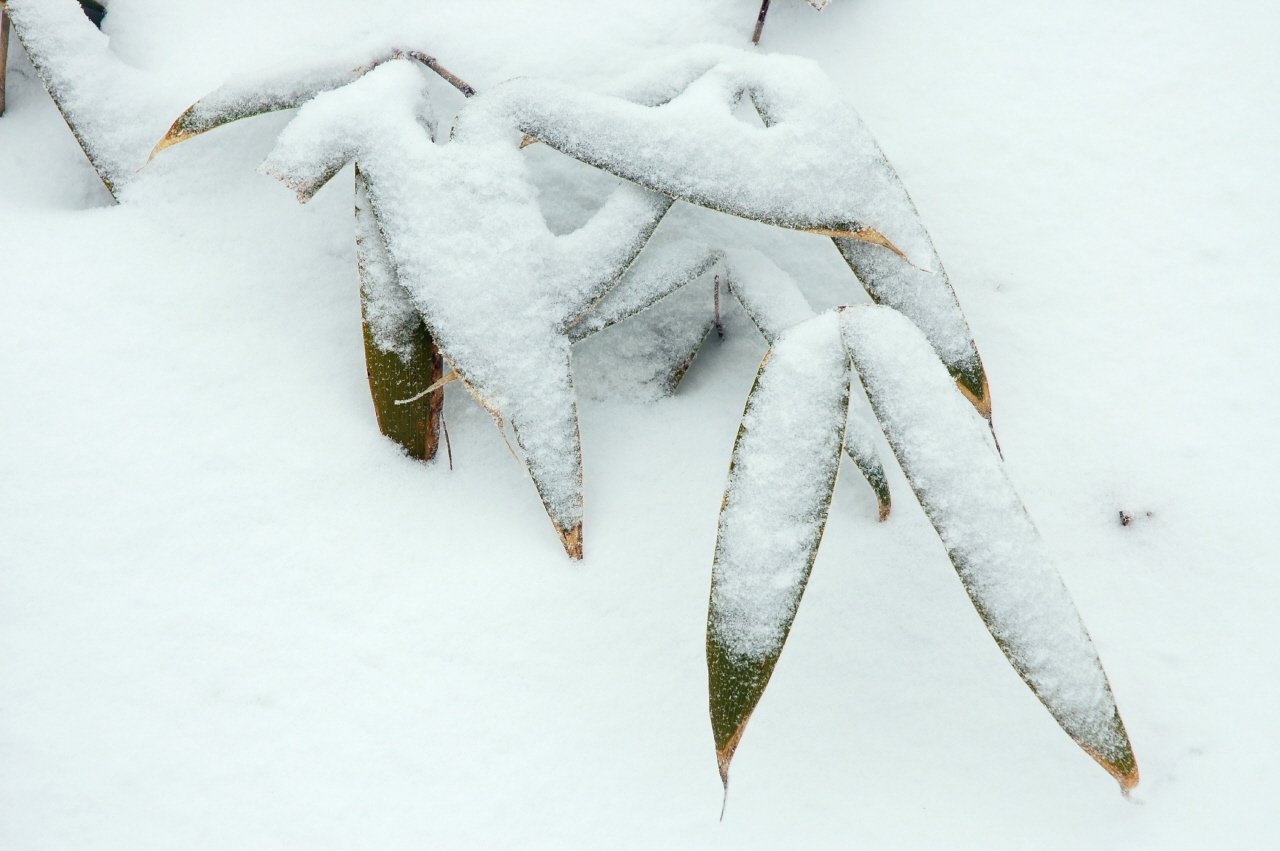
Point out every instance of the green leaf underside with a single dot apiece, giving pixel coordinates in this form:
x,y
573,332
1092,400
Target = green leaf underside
x,y
414,426
400,356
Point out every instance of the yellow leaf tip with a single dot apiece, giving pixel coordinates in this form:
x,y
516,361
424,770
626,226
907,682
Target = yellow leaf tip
x,y
572,541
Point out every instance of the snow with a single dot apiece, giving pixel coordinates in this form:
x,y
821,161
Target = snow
x,y
232,615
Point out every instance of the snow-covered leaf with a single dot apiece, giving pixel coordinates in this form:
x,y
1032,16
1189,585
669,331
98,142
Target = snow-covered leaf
x,y
645,356
462,226
665,265
775,508
813,166
114,110
774,302
283,87
942,446
400,357
860,446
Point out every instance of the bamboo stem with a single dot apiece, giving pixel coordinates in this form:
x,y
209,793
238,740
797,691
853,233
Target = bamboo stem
x,y
764,10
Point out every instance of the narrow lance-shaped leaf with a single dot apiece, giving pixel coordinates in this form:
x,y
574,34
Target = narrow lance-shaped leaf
x,y
665,265
814,166
400,357
114,110
959,479
283,87
774,302
4,53
775,508
647,355
462,225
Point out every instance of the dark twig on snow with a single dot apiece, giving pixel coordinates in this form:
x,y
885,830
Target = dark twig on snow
x,y
764,10
448,76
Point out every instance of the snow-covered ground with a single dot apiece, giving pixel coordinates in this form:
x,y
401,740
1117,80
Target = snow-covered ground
x,y
233,616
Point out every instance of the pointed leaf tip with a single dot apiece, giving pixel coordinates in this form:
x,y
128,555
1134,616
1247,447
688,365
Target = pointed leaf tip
x,y
572,541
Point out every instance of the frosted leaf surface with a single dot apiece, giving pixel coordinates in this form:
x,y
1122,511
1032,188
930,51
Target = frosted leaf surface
x,y
860,446
941,444
114,110
387,306
775,304
775,509
463,228
815,166
769,295
281,87
644,358
665,265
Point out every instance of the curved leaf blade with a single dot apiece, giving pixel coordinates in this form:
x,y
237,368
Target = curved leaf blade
x,y
943,447
400,357
280,88
775,508
774,302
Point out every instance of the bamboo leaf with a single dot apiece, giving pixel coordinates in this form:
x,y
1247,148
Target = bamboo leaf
x,y
647,355
112,109
4,53
958,477
775,304
775,508
400,357
283,87
664,266
813,167
469,243
860,446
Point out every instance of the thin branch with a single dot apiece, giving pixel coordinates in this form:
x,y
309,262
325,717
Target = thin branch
x,y
449,77
764,10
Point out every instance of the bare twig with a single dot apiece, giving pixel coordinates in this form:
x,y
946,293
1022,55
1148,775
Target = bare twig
x,y
764,10
449,77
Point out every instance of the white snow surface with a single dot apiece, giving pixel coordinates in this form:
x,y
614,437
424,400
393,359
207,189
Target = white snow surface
x,y
232,615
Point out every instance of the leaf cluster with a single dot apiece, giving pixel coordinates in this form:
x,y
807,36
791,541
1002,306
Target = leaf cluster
x,y
461,279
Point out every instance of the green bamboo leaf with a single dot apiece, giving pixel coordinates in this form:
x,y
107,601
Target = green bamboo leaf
x,y
401,359
775,508
4,52
944,448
